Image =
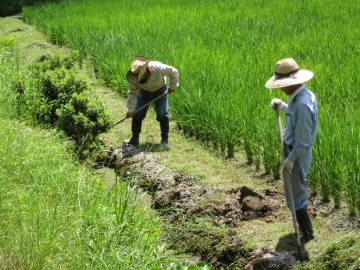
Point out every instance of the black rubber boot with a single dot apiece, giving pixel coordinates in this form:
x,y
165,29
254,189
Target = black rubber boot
x,y
164,126
304,221
136,129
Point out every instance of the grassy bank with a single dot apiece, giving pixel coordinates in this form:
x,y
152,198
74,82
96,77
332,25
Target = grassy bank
x,y
55,212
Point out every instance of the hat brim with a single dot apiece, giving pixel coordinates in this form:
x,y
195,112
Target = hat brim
x,y
142,71
299,77
135,78
131,78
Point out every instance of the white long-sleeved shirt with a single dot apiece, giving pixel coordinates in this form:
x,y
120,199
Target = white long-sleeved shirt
x,y
154,81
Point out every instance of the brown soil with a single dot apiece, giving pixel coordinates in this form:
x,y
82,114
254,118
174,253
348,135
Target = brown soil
x,y
182,202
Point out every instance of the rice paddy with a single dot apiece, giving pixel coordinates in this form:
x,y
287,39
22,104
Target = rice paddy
x,y
225,51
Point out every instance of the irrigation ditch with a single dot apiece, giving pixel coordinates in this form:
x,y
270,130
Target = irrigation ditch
x,y
183,204
180,200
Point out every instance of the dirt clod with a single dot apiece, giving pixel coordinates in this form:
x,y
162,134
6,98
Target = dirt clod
x,y
179,198
268,259
183,202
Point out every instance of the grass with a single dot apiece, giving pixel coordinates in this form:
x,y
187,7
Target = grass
x,y
55,212
71,242
340,254
224,62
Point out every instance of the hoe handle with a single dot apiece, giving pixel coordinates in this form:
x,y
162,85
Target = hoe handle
x,y
142,107
289,191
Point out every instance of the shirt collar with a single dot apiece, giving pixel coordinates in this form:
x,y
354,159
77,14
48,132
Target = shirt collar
x,y
293,95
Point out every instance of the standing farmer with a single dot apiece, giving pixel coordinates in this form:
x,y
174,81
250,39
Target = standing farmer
x,y
299,134
147,80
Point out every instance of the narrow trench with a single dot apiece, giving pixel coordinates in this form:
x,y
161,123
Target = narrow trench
x,y
186,206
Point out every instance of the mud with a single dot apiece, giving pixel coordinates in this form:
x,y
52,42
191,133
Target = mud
x,y
182,203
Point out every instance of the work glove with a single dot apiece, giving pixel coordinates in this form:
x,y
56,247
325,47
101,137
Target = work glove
x,y
277,103
170,91
288,164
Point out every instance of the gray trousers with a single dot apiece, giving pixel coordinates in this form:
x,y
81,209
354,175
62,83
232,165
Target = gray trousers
x,y
298,179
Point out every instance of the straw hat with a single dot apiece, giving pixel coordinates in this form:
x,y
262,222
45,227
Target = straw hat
x,y
137,69
287,73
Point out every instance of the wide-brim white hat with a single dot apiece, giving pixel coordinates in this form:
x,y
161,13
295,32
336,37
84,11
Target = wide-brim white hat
x,y
287,73
137,69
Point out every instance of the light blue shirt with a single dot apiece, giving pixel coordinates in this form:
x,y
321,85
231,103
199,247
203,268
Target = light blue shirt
x,y
301,121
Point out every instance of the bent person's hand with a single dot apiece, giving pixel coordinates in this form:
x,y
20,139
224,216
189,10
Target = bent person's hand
x,y
171,90
129,114
288,164
277,103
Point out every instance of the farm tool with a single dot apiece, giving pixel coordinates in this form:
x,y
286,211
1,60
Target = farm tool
x,y
286,176
142,107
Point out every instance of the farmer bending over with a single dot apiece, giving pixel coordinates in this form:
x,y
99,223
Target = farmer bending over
x,y
147,81
299,134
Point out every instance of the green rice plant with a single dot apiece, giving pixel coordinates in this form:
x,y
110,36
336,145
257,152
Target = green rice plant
x,y
352,175
325,170
272,154
318,180
225,51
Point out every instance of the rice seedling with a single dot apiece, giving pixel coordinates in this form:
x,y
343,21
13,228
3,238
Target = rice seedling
x,y
225,51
